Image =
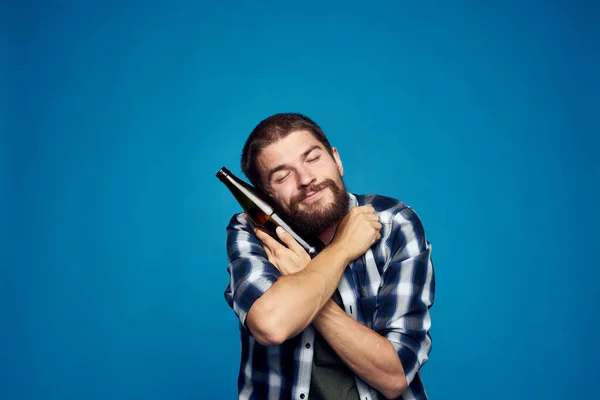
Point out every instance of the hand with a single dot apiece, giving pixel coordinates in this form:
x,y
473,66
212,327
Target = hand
x,y
287,260
357,231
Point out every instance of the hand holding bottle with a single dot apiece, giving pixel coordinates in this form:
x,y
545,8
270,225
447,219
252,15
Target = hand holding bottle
x,y
287,260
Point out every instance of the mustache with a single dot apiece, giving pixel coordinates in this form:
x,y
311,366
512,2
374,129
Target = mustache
x,y
311,189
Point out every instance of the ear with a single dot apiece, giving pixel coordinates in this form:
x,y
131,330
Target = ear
x,y
338,160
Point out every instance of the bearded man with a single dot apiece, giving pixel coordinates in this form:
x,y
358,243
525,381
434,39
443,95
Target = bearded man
x,y
351,323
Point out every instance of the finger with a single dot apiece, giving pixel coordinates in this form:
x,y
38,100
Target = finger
x,y
372,217
266,238
376,224
269,254
263,237
360,210
368,209
289,240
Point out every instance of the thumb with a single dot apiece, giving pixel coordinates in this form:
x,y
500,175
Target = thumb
x,y
283,234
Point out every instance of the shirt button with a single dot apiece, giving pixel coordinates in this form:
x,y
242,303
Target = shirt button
x,y
307,345
302,395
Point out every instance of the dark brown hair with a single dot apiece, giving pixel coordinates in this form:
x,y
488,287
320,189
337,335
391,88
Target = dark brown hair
x,y
270,130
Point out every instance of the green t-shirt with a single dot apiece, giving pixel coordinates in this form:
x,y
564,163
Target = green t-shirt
x,y
330,378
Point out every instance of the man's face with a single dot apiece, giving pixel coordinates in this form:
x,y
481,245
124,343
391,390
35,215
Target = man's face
x,y
305,180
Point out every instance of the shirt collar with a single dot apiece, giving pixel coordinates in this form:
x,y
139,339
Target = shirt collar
x,y
352,201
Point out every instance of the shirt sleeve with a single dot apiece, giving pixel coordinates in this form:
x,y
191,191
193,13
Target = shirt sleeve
x,y
250,272
406,293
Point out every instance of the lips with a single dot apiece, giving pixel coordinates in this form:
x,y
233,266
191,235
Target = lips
x,y
312,194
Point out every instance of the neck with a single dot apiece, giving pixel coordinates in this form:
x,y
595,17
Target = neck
x,y
327,235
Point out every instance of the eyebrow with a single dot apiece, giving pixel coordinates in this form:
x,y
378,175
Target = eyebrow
x,y
283,166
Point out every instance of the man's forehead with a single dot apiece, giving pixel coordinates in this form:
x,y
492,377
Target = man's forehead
x,y
287,149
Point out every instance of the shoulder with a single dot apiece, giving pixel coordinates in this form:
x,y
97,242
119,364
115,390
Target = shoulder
x,y
397,217
379,202
387,208
239,221
240,236
239,227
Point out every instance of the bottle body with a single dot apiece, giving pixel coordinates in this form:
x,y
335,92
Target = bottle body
x,y
261,213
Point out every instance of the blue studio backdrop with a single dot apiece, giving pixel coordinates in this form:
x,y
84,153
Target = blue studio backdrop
x,y
483,116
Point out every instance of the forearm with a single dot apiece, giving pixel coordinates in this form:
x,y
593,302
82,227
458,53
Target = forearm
x,y
294,300
368,354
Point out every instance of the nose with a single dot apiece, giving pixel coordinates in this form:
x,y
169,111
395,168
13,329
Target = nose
x,y
305,177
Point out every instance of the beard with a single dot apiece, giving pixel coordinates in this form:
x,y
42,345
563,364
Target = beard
x,y
314,218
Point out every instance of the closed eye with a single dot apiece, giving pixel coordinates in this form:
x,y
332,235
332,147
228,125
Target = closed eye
x,y
282,178
313,159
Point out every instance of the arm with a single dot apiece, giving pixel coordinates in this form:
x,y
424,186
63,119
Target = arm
x,y
388,357
368,354
407,293
293,301
252,275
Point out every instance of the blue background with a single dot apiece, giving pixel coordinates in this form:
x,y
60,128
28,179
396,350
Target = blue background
x,y
484,118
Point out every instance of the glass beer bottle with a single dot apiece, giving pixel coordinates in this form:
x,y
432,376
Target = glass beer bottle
x,y
262,213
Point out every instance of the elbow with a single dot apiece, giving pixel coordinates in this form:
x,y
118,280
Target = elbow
x,y
265,327
268,337
397,386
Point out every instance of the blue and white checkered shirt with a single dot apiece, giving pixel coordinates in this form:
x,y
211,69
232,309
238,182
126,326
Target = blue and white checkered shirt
x,y
390,289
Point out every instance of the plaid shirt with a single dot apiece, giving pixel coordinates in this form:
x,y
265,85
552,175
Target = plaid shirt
x,y
389,289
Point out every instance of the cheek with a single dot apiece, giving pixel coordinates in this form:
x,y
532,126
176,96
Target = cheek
x,y
287,198
283,196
